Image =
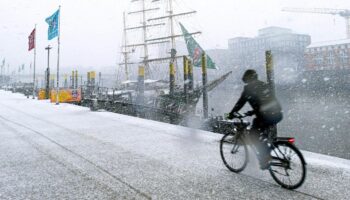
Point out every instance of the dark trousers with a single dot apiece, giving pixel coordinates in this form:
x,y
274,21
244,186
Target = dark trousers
x,y
260,134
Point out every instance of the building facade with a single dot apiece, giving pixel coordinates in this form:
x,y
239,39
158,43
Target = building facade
x,y
287,48
332,55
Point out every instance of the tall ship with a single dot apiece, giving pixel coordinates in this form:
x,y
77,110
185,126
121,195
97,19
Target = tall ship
x,y
159,59
152,38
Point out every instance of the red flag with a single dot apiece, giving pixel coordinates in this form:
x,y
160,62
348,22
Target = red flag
x,y
31,40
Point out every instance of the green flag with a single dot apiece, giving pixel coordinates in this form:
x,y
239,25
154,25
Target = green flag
x,y
195,50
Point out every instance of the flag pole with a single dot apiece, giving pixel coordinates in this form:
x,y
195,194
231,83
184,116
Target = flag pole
x,y
34,63
58,56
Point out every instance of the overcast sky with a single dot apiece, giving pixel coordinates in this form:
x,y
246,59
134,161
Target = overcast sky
x,y
91,30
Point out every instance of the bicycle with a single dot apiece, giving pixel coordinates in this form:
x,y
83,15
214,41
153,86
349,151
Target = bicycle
x,y
284,154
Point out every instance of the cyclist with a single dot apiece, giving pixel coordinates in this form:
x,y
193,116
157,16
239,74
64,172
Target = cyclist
x,y
266,108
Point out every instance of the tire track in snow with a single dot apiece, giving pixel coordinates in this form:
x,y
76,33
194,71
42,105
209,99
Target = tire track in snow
x,y
96,139
74,170
75,154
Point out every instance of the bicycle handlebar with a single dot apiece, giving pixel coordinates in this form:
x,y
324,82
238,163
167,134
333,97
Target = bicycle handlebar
x,y
240,116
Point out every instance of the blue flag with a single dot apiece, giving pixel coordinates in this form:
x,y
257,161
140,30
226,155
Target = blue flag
x,y
53,25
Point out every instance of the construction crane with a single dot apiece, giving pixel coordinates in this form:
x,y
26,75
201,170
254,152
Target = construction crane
x,y
341,12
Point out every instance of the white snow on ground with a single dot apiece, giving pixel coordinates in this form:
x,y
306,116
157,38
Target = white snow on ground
x,y
310,157
160,160
326,161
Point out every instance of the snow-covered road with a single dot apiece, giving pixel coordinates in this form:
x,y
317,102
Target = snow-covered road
x,y
68,152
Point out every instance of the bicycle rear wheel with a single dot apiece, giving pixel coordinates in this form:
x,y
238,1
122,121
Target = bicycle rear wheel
x,y
288,167
234,153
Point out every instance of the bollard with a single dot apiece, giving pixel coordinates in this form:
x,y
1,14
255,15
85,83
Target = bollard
x,y
76,79
93,78
185,64
72,80
141,91
190,75
204,80
52,83
270,80
172,79
47,86
93,82
88,85
65,85
99,79
270,71
99,85
88,78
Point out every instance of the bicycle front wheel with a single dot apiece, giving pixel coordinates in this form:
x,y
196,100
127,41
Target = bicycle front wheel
x,y
288,167
234,152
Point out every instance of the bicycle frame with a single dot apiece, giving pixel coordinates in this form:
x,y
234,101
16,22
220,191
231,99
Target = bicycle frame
x,y
244,135
282,150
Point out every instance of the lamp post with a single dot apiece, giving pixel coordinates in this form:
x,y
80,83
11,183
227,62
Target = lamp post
x,y
47,88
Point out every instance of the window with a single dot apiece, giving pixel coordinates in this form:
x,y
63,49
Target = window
x,y
330,59
343,55
318,59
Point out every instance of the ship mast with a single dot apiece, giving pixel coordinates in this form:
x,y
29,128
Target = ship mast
x,y
144,28
146,41
125,50
173,44
171,17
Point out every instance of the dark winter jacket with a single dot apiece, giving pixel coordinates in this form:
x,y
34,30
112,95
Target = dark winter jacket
x,y
262,100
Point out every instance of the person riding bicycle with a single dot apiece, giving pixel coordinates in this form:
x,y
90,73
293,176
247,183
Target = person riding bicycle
x,y
266,108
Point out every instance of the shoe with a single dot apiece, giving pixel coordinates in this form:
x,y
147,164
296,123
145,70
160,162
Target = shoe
x,y
265,162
